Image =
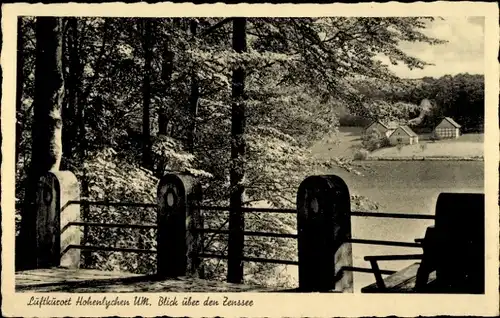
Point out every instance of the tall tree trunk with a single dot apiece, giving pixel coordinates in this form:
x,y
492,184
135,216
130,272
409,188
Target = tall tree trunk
x,y
47,124
49,94
19,84
195,94
76,76
84,181
167,70
237,172
146,95
77,130
166,76
71,111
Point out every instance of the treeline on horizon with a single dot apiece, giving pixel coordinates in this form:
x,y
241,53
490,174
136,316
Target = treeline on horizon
x,y
460,97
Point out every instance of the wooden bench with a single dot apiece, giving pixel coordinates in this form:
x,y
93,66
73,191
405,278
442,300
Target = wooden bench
x,y
453,252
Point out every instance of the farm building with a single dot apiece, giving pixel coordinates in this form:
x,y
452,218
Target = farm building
x,y
385,128
447,128
403,135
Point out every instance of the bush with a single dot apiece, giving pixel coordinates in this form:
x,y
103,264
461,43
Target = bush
x,y
421,130
361,154
353,121
433,137
374,139
385,142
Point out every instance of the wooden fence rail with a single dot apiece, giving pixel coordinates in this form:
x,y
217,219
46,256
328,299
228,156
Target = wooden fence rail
x,y
250,233
246,233
116,225
374,214
97,248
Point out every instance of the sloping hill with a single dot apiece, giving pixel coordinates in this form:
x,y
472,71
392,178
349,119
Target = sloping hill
x,y
342,144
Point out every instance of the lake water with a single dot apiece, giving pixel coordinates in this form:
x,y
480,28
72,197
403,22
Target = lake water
x,y
413,186
407,187
404,187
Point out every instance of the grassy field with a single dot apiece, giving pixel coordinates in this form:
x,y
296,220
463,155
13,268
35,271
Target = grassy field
x,y
464,147
348,140
343,144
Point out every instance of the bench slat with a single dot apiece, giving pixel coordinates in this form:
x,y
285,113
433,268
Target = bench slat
x,y
402,281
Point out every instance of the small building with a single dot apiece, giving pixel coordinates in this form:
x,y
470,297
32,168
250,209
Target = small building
x,y
403,135
447,128
385,128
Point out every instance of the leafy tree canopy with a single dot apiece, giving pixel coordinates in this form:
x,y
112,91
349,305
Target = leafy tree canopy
x,y
298,72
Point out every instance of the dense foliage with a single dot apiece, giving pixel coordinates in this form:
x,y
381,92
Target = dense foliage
x,y
373,139
460,97
167,83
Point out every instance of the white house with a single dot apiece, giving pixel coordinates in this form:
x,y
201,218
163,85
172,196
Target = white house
x,y
385,128
447,128
403,135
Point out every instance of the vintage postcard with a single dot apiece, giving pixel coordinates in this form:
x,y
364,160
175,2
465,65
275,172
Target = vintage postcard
x,y
250,160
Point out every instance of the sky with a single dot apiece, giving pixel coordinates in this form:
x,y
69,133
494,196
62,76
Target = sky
x,y
464,52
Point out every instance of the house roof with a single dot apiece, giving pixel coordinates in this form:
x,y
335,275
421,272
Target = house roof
x,y
451,121
377,121
387,125
407,130
392,125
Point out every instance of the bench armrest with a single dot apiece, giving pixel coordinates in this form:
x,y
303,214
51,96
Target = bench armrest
x,y
403,257
373,259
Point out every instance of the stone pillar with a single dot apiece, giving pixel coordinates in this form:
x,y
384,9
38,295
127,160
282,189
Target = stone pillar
x,y
460,243
178,242
53,212
324,234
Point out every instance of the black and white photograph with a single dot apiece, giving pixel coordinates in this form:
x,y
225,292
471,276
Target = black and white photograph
x,y
197,160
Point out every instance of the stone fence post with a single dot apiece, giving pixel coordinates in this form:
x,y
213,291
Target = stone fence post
x,y
49,234
178,243
324,234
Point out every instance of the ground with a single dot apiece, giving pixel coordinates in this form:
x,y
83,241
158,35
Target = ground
x,y
344,143
348,140
467,147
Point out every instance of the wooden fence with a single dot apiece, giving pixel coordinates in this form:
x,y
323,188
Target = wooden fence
x,y
323,230
374,214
